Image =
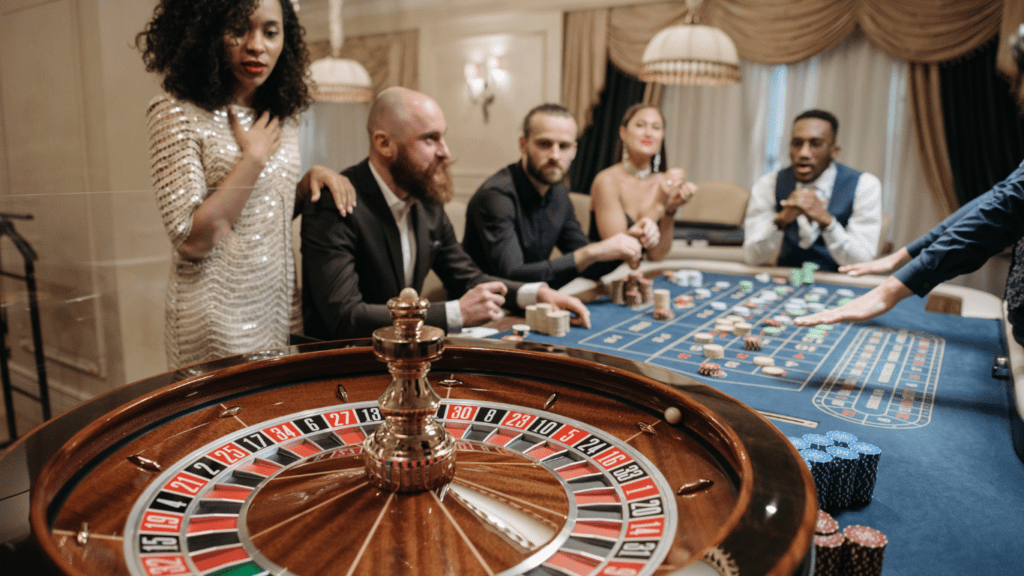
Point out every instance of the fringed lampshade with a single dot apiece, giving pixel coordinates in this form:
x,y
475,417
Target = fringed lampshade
x,y
691,54
339,79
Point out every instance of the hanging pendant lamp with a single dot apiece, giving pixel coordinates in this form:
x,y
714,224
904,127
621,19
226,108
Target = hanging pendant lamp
x,y
338,79
691,54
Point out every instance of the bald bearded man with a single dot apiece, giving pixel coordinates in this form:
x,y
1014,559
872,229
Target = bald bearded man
x,y
397,232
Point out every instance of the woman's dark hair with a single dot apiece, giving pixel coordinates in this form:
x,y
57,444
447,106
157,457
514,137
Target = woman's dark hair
x,y
184,42
630,112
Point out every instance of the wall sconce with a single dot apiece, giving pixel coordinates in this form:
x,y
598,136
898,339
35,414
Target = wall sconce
x,y
482,78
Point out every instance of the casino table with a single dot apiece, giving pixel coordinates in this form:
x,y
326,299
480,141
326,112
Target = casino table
x,y
922,386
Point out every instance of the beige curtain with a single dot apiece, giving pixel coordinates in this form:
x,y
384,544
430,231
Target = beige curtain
x,y
922,32
584,59
391,59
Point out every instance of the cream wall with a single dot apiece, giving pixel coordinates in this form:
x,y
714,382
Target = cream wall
x,y
73,154
530,46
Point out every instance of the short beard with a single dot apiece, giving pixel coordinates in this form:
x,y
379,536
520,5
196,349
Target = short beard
x,y
432,185
538,174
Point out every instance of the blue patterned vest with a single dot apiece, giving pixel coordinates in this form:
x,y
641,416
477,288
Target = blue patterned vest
x,y
840,206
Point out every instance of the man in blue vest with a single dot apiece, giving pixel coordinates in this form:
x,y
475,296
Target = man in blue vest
x,y
817,210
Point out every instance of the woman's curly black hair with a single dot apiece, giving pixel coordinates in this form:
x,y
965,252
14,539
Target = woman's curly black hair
x,y
185,42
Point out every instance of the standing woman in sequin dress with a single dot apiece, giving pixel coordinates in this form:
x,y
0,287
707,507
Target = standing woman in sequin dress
x,y
638,194
224,153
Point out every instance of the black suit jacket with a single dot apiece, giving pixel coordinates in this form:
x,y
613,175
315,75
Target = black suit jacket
x,y
352,265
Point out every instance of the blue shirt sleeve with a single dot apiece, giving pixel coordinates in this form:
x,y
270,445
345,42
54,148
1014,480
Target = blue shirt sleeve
x,y
967,239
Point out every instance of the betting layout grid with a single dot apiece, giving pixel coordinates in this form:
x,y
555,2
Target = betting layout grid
x,y
871,375
187,521
949,465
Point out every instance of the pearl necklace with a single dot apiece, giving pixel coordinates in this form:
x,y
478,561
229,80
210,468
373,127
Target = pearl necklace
x,y
640,174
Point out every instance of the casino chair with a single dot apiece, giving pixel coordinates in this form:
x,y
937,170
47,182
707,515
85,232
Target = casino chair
x,y
581,205
716,203
433,289
710,225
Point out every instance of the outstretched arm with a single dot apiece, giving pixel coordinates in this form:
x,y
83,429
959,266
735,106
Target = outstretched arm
x,y
884,265
878,301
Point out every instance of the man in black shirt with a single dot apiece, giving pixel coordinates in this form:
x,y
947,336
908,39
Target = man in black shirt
x,y
520,214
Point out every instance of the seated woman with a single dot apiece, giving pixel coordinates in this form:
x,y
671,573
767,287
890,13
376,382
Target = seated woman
x,y
638,195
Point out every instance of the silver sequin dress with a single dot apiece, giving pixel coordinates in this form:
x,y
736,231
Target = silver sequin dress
x,y
241,297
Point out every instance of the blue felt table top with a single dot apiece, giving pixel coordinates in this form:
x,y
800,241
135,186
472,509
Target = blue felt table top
x,y
919,385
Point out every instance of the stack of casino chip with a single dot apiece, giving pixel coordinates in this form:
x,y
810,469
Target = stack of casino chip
x,y
852,468
796,277
821,470
828,546
618,292
840,438
867,471
741,328
690,278
799,443
647,290
807,271
829,555
542,319
746,286
710,369
863,551
714,351
558,323
843,478
663,304
633,297
825,525
752,343
819,441
684,301
773,322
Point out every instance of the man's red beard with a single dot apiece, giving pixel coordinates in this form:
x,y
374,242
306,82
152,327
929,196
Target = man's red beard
x,y
432,184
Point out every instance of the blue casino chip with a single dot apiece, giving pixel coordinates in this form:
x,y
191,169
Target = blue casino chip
x,y
843,477
799,442
867,471
818,441
820,464
841,438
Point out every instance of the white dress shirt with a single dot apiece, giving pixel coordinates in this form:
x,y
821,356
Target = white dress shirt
x,y
857,242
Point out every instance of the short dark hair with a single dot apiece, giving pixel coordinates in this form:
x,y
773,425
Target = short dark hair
x,y
549,109
184,42
821,115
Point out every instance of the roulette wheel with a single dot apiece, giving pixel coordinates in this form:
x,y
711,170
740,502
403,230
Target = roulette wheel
x,y
423,455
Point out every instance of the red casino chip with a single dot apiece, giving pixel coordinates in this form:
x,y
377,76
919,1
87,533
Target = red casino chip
x,y
751,343
709,369
863,550
772,322
829,555
826,524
